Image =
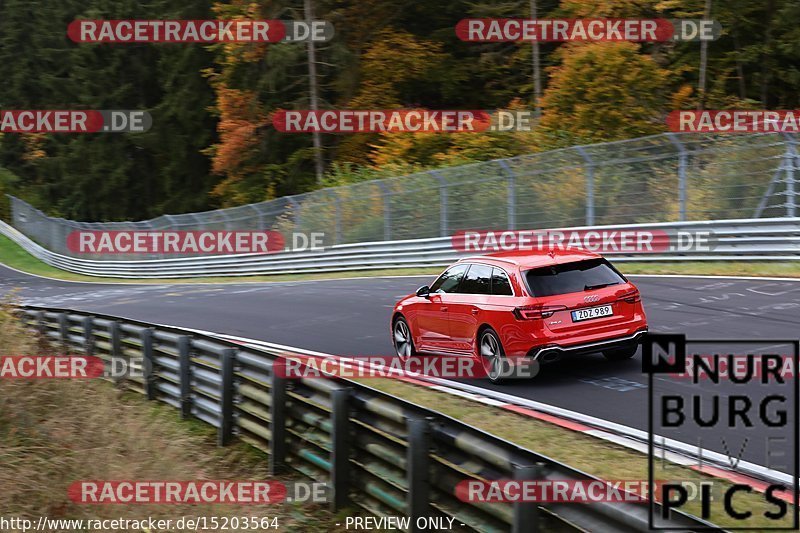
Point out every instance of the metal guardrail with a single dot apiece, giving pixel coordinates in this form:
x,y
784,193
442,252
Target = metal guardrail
x,y
377,452
614,430
763,239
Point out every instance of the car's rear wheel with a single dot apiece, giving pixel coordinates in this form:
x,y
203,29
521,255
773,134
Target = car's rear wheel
x,y
492,355
621,354
402,339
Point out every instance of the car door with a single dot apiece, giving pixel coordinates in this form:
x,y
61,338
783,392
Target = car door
x,y
464,306
432,312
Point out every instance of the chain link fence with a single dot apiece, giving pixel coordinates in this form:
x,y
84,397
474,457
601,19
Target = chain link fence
x,y
660,178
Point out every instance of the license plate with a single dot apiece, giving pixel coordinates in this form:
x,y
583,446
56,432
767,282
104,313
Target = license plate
x,y
591,312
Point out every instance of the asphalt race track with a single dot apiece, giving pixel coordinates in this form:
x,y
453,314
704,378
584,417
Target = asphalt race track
x,y
350,317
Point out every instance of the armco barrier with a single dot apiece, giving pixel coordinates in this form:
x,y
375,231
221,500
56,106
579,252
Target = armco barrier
x,y
763,239
377,452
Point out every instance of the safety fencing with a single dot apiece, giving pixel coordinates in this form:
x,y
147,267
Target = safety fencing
x,y
671,177
376,452
766,239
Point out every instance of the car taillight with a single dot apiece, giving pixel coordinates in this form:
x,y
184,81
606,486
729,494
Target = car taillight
x,y
631,296
534,312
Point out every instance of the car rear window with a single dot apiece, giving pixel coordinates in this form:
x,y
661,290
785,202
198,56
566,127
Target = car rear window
x,y
571,277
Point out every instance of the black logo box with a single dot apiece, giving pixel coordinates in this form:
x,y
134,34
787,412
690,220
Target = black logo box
x,y
678,365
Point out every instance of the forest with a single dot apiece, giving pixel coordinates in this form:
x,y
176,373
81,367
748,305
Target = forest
x,y
212,143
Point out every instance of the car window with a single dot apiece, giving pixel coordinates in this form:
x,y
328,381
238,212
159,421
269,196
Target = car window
x,y
500,283
449,280
477,281
572,277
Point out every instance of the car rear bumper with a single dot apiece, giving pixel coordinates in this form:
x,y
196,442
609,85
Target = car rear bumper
x,y
549,353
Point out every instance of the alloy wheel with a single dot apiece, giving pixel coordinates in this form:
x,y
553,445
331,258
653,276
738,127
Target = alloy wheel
x,y
492,354
402,339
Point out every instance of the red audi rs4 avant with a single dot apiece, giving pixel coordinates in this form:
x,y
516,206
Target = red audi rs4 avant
x,y
511,306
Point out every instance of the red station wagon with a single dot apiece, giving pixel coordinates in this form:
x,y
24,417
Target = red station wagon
x,y
508,306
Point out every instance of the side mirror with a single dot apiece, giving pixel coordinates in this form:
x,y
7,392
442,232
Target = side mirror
x,y
424,292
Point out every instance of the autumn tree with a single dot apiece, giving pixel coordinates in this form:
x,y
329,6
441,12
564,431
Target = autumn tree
x,y
603,92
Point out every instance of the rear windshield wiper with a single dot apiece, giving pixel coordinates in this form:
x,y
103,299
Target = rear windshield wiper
x,y
599,286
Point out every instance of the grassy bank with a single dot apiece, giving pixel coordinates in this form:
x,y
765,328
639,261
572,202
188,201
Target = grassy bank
x,y
777,269
56,432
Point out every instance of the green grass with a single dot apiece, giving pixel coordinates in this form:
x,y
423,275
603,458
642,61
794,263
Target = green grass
x,y
15,257
55,432
778,269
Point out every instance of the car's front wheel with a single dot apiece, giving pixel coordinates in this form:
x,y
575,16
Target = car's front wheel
x,y
621,354
492,355
402,339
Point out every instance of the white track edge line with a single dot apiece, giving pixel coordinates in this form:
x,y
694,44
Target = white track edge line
x,y
232,282
695,276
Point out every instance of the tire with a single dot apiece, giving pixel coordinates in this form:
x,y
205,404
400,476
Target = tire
x,y
621,354
402,340
491,352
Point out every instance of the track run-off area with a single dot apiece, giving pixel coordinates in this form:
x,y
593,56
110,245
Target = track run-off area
x,y
350,317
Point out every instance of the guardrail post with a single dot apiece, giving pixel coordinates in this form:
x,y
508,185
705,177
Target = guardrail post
x,y
295,212
682,185
589,185
277,411
88,336
340,449
776,177
170,221
147,363
225,432
114,332
54,237
512,194
526,514
789,157
443,203
185,362
227,219
337,235
418,470
259,216
63,330
387,210
40,325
